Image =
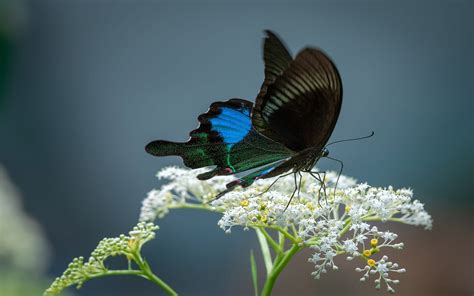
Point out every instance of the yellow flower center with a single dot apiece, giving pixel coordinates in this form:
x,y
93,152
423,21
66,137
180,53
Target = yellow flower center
x,y
371,262
374,242
347,209
244,203
264,219
367,253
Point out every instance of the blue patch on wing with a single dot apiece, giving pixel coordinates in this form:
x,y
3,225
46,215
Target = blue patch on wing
x,y
232,125
266,171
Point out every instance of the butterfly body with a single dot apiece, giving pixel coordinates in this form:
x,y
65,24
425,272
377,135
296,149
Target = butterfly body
x,y
285,130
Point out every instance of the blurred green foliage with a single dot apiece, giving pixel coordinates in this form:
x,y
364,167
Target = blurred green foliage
x,y
17,283
24,250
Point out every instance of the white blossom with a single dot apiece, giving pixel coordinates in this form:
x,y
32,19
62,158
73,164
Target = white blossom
x,y
331,221
183,186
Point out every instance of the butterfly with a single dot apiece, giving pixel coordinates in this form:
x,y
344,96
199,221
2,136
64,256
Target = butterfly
x,y
286,130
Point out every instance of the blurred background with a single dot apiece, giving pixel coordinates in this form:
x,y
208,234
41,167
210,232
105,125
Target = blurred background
x,y
84,85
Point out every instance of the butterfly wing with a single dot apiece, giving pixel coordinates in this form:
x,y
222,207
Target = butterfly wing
x,y
248,180
298,108
276,57
224,138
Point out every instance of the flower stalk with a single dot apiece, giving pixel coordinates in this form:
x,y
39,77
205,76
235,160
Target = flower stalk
x,y
280,263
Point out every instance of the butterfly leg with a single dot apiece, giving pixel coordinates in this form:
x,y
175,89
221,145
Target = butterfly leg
x,y
340,172
292,194
322,186
273,183
299,186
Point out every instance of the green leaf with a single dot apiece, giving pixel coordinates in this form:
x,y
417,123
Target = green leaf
x,y
253,267
281,240
267,257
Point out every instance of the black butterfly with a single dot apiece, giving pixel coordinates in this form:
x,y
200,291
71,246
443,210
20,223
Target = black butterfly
x,y
286,130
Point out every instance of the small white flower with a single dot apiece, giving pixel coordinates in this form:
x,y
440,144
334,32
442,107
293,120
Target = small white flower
x,y
350,246
383,268
389,236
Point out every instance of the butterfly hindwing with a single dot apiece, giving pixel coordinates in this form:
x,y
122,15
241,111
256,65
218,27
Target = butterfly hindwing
x,y
225,138
248,180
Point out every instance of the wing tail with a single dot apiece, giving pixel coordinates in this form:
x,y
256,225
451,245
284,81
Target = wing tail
x,y
193,155
164,148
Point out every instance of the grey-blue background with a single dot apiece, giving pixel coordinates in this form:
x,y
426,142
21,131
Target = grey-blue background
x,y
91,82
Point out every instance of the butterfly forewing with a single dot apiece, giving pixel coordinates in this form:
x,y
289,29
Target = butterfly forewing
x,y
276,58
300,108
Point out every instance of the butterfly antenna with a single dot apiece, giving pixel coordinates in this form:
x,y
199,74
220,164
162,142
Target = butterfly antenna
x,y
339,161
353,139
340,172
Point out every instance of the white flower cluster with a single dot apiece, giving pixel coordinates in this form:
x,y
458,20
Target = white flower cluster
x,y
332,221
183,186
385,203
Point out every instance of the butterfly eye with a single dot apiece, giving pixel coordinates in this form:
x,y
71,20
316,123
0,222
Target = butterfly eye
x,y
324,152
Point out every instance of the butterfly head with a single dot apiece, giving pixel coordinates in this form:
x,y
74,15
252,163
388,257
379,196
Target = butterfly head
x,y
324,152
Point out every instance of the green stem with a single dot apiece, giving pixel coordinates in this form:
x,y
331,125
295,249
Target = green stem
x,y
145,272
281,245
276,248
196,206
152,277
277,269
116,272
148,274
377,219
285,233
346,228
